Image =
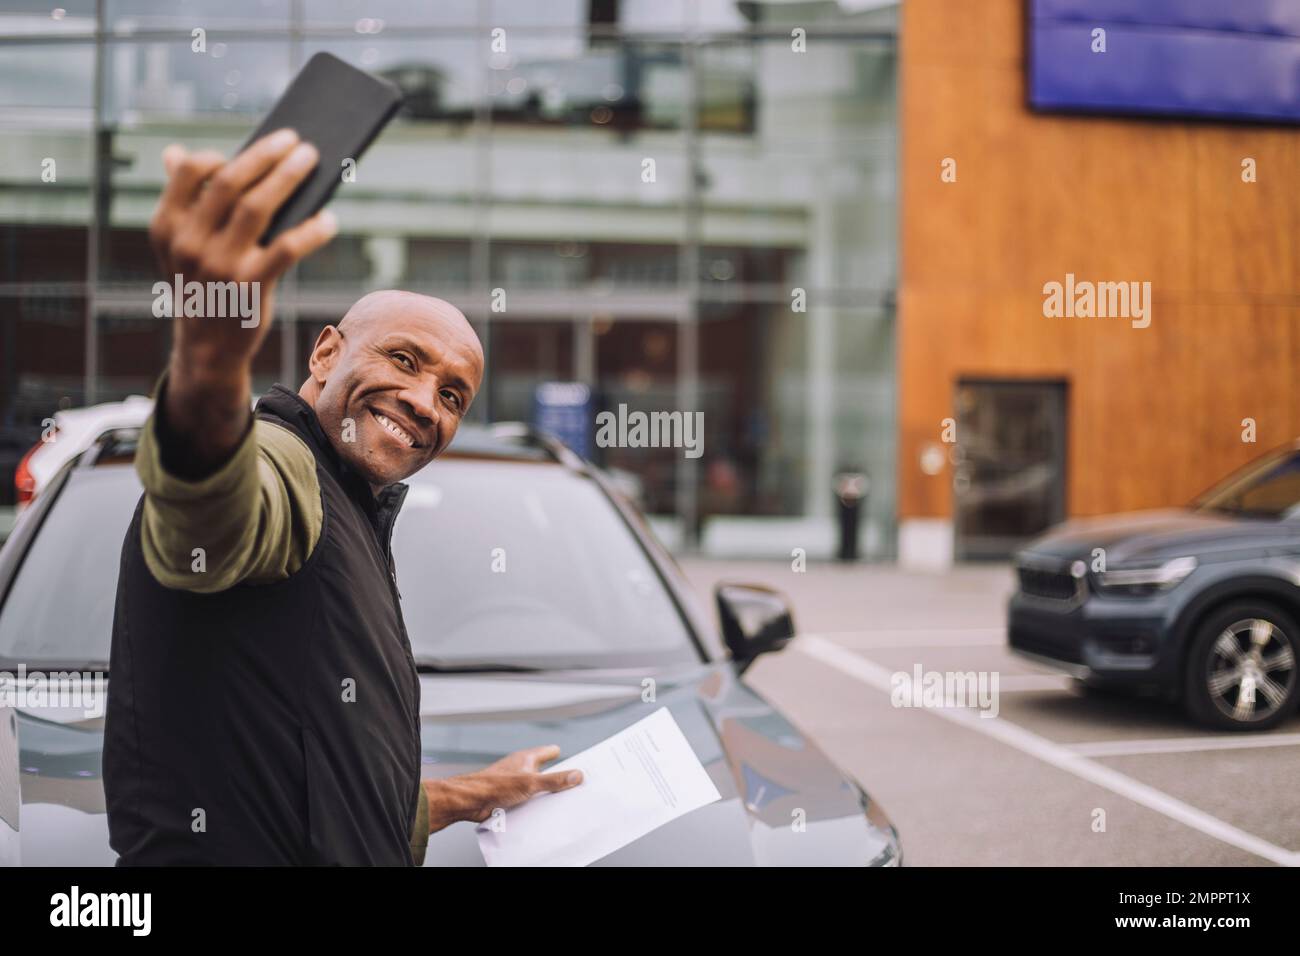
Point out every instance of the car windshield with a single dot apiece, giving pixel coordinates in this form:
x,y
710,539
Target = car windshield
x,y
500,564
527,563
1268,487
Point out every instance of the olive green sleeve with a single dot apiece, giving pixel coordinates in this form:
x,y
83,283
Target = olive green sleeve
x,y
420,831
254,520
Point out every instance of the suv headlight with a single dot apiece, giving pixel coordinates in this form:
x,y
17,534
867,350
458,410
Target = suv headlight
x,y
1140,582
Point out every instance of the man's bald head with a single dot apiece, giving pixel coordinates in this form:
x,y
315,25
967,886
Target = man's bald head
x,y
374,309
392,381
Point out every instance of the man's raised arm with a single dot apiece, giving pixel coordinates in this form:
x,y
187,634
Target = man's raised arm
x,y
205,229
226,502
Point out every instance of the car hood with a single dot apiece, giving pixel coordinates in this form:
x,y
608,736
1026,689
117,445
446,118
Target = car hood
x,y
1143,536
769,775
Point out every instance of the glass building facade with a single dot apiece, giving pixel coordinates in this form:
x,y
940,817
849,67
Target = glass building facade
x,y
685,205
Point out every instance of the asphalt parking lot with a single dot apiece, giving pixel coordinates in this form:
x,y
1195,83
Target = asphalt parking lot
x,y
1055,778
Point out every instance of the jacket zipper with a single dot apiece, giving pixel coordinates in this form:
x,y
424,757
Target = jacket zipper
x,y
386,535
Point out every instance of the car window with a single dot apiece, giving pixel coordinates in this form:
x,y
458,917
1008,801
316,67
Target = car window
x,y
1266,488
507,563
530,564
60,608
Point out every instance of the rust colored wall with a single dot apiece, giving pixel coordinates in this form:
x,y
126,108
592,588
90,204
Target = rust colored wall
x,y
1155,414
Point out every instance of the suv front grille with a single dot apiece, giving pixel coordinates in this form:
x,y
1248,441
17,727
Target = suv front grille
x,y
1049,584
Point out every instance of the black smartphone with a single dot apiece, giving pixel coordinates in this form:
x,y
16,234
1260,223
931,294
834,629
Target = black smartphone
x,y
340,110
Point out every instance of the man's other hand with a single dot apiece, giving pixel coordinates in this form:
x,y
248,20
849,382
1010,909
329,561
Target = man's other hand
x,y
499,786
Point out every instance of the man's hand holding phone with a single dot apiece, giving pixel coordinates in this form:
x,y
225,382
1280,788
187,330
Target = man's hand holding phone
x,y
206,229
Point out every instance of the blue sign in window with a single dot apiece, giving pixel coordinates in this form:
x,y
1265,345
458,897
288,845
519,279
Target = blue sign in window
x,y
563,409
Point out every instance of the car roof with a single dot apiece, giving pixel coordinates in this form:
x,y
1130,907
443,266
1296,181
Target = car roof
x,y
510,440
501,441
132,409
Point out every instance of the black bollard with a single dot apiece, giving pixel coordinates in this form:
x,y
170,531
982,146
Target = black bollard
x,y
850,493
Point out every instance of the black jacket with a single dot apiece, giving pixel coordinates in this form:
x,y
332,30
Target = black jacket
x,y
269,724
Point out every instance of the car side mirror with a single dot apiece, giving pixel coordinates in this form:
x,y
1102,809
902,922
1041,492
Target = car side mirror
x,y
755,620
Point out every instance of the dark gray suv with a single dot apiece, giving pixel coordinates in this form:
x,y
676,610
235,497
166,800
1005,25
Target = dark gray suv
x,y
1200,603
593,629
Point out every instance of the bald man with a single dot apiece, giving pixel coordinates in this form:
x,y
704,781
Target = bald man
x,y
264,705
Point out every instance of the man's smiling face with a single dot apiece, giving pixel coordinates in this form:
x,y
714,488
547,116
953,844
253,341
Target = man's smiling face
x,y
396,377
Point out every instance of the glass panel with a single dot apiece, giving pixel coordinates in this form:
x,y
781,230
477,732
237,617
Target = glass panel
x,y
39,251
158,93
625,16
796,261
645,266
824,21
41,17
437,264
47,154
543,183
229,84
752,375
802,160
346,261
48,85
538,265
126,16
525,354
588,182
133,351
636,367
127,259
409,216
442,77
865,415
380,17
42,358
592,82
559,14
1009,479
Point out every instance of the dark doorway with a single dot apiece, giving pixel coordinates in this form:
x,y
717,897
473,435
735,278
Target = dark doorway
x,y
1009,474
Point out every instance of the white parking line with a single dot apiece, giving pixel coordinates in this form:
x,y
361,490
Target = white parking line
x,y
1029,682
926,639
1063,758
921,637
1182,745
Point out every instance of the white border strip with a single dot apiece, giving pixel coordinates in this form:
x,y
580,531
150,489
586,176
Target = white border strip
x,y
921,637
1063,758
1182,745
1014,683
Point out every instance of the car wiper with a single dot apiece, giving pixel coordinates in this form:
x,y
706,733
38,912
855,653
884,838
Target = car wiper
x,y
10,665
427,666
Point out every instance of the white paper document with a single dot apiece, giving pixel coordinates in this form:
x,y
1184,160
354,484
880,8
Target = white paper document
x,y
633,782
